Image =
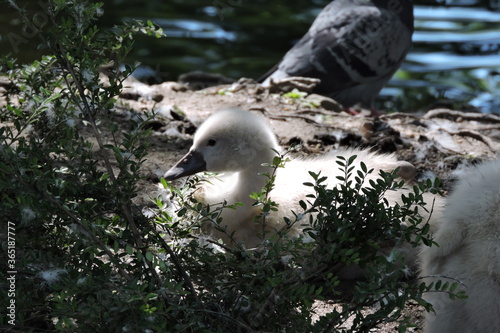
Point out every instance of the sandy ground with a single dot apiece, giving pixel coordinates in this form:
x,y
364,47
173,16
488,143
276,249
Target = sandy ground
x,y
439,142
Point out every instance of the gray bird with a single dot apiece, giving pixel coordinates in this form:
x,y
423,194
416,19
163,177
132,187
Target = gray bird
x,y
354,47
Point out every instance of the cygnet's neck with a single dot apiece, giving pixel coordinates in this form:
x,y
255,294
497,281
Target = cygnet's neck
x,y
252,179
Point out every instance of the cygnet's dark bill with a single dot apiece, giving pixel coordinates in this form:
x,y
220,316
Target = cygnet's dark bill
x,y
190,164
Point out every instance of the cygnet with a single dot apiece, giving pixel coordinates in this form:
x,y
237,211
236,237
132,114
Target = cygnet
x,y
239,144
468,252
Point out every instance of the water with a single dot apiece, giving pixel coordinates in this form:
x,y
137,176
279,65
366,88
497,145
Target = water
x,y
455,60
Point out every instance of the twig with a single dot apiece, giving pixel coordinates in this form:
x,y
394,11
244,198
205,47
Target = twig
x,y
213,242
259,317
179,266
229,318
477,136
398,115
446,113
310,111
307,119
443,277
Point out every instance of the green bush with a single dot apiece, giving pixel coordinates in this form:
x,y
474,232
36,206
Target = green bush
x,y
88,259
273,288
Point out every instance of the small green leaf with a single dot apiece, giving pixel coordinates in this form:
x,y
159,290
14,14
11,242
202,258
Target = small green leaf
x,y
182,212
302,204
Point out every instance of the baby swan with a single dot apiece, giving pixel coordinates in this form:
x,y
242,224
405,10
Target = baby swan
x,y
468,236
238,143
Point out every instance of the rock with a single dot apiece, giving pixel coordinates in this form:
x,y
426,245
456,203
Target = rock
x,y
326,103
172,85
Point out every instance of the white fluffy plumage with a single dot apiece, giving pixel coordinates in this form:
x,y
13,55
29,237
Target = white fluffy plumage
x,y
469,252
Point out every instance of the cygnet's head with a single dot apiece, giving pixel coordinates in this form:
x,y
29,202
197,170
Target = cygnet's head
x,y
231,140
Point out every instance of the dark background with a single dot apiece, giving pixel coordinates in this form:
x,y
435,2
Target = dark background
x,y
455,60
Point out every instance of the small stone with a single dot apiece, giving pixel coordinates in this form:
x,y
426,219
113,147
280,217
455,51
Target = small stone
x,y
326,103
171,85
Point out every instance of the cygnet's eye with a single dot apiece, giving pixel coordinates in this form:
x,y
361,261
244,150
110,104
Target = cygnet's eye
x,y
211,142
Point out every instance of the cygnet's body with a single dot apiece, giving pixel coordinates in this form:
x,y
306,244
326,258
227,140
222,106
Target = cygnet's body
x,y
237,143
469,252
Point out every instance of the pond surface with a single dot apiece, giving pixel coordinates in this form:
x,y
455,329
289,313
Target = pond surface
x,y
455,60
